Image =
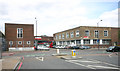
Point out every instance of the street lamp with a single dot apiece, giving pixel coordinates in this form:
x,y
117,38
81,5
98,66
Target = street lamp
x,y
98,23
36,25
98,35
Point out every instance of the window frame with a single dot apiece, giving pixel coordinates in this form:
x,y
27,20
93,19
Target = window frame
x,y
95,34
19,32
104,33
87,34
19,41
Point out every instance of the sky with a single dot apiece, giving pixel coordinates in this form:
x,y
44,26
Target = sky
x,y
58,15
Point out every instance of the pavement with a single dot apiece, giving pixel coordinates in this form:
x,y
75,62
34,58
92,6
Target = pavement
x,y
9,62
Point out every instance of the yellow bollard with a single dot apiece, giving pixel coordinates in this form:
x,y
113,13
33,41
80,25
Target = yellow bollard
x,y
73,54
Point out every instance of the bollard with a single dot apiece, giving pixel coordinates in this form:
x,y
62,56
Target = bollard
x,y
73,54
58,51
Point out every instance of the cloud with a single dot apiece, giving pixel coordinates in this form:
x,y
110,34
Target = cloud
x,y
52,15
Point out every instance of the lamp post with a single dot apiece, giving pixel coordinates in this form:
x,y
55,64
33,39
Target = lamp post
x,y
98,35
36,25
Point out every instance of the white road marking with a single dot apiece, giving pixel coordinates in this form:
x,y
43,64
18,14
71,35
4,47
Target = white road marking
x,y
40,58
103,67
86,61
79,64
93,66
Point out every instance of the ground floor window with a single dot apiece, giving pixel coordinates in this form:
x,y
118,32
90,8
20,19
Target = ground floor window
x,y
10,42
86,41
106,41
95,41
20,42
28,42
78,42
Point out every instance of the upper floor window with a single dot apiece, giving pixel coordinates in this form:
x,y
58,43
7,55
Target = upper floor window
x,y
77,33
72,34
87,33
56,37
59,36
105,33
19,32
67,35
63,36
96,34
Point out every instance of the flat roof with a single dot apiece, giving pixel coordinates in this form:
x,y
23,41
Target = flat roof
x,y
86,26
17,24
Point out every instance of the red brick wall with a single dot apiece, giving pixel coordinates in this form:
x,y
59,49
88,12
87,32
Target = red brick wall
x,y
11,33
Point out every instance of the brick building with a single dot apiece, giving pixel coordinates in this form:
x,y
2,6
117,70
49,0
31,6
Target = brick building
x,y
88,35
19,36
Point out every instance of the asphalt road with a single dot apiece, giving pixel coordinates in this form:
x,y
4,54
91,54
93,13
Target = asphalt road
x,y
92,59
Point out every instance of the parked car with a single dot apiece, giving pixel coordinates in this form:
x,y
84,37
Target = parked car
x,y
68,47
113,49
75,47
84,47
42,47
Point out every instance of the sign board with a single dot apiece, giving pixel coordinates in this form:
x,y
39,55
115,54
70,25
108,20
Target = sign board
x,y
98,40
38,38
85,37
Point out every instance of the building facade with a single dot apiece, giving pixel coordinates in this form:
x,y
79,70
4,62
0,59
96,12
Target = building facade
x,y
86,35
19,36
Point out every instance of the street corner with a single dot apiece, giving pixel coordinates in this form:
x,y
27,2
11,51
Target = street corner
x,y
11,62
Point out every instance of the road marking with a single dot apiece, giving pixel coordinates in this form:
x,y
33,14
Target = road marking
x,y
105,63
86,61
94,62
40,58
79,64
103,67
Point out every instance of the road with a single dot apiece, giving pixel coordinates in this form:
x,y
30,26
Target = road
x,y
92,59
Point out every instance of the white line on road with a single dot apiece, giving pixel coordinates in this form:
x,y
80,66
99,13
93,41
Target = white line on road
x,y
86,61
102,67
79,64
40,58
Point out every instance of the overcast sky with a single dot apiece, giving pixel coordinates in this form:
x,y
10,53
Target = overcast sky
x,y
59,15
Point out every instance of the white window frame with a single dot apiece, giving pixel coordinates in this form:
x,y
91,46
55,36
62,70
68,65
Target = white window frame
x,y
19,43
104,33
11,42
77,33
56,37
19,32
72,34
28,42
88,31
95,34
59,36
67,35
63,36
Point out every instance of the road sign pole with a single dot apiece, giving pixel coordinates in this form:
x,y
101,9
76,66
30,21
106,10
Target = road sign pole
x,y
73,54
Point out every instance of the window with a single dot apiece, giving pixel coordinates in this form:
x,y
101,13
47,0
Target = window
x,y
77,33
78,42
96,34
105,33
10,42
20,42
56,37
59,36
106,41
95,41
67,35
63,36
72,34
86,41
19,32
87,33
28,42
